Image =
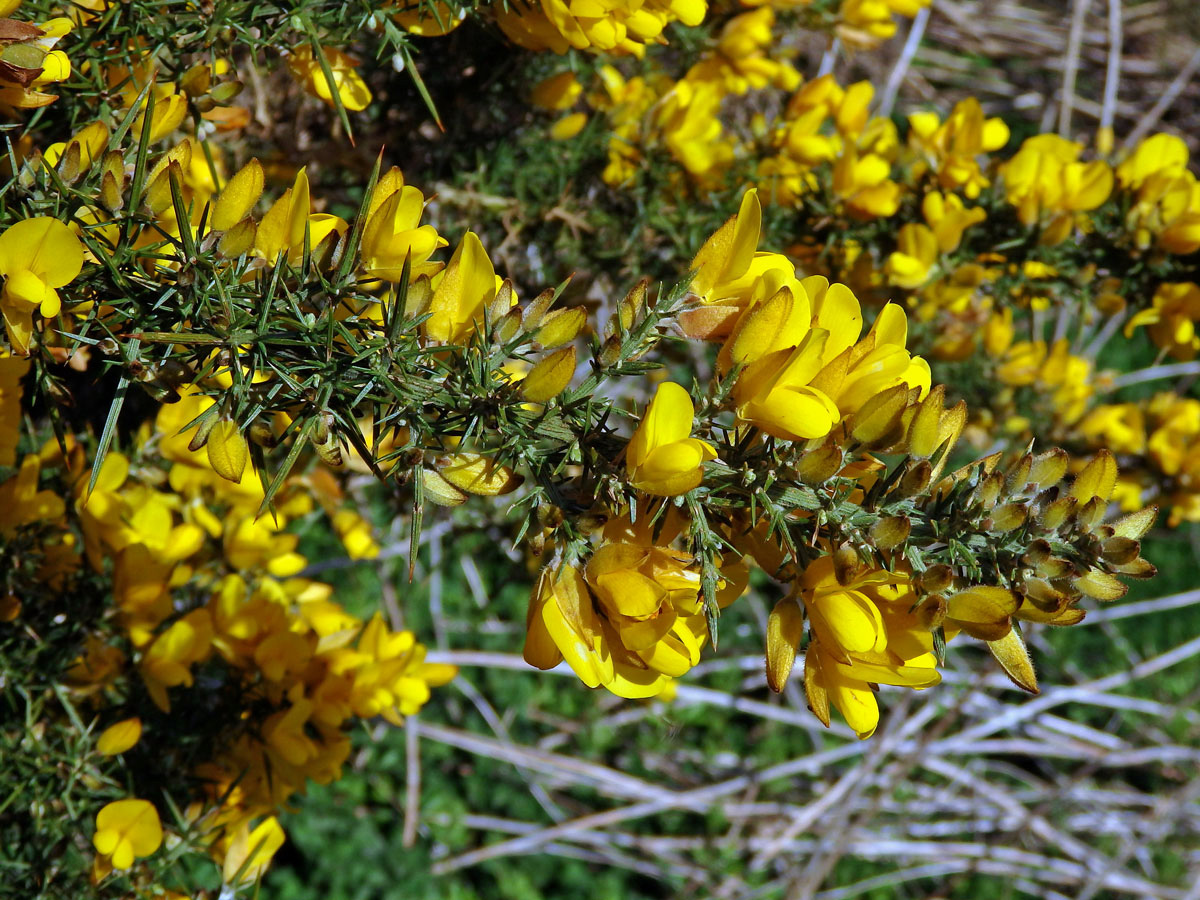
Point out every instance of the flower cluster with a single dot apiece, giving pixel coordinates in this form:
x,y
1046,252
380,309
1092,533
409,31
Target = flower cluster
x,y
207,602
201,342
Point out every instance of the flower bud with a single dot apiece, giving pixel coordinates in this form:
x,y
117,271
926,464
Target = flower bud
x,y
931,612
785,631
561,327
550,376
935,579
890,532
227,450
1010,652
819,465
916,479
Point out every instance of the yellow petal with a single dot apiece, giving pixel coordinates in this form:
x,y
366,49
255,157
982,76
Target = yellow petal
x,y
119,737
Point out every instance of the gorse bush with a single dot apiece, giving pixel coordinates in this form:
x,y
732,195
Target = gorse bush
x,y
852,353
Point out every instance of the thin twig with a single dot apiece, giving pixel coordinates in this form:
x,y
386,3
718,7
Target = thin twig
x,y
1112,74
896,78
1172,92
1079,10
1155,373
412,780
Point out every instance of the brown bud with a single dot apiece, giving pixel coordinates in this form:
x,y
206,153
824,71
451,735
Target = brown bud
x,y
1010,652
890,531
1057,513
846,564
988,492
550,376
814,686
935,579
877,423
1018,475
610,352
931,612
916,479
1135,525
819,465
330,451
226,91
440,491
924,429
1039,551
203,430
503,302
561,326
507,326
537,309
1101,585
630,309
1121,550
262,434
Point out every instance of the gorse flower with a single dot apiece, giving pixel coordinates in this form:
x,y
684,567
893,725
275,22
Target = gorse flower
x,y
662,457
37,256
394,233
127,829
865,631
351,91
617,26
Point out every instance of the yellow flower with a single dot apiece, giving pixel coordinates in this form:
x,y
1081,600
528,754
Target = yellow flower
x,y
391,677
691,128
731,274
36,256
1172,319
1046,181
351,90
864,183
1158,155
169,660
284,226
394,232
428,20
877,363
915,255
867,22
635,621
662,457
949,218
1120,427
21,503
739,62
127,829
556,93
250,852
783,352
952,148
568,126
463,291
616,26
864,632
